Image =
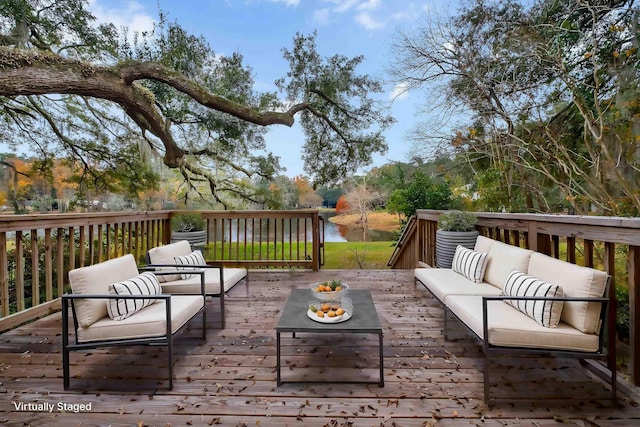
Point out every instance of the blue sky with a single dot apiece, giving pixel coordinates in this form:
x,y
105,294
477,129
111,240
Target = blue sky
x,y
259,29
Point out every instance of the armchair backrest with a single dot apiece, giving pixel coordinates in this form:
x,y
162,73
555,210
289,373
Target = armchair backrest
x,y
95,280
166,255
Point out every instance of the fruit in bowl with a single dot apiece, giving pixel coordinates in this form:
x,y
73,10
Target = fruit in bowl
x,y
329,290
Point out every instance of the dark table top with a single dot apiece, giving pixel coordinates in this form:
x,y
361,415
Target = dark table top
x,y
364,319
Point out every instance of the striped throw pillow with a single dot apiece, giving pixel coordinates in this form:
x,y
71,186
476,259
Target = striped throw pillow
x,y
193,259
469,263
142,284
545,312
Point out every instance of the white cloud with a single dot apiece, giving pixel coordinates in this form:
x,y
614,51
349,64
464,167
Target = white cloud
x,y
287,2
369,5
321,16
369,22
400,91
131,14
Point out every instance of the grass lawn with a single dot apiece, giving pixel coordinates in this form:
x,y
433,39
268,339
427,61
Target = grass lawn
x,y
357,255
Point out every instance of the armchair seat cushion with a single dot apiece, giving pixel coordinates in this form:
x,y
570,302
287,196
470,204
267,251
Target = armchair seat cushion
x,y
509,327
212,282
148,322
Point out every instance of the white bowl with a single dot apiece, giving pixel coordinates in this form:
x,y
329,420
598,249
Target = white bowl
x,y
329,296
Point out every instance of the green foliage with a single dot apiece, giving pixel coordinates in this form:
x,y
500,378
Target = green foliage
x,y
422,193
457,221
336,94
187,221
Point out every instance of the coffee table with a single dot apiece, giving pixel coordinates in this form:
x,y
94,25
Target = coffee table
x,y
363,321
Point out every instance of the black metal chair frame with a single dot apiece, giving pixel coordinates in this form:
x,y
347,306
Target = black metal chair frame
x,y
190,269
68,301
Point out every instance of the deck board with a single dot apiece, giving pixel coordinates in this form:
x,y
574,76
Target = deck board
x,y
230,378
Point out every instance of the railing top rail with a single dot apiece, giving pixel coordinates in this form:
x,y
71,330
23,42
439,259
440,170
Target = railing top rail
x,y
602,221
37,221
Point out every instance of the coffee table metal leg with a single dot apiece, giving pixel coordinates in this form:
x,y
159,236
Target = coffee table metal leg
x,y
278,381
381,361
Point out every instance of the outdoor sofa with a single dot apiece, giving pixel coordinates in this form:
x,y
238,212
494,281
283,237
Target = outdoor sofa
x,y
520,302
112,304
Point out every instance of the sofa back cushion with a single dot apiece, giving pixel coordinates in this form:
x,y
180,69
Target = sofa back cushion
x,y
95,279
576,281
166,255
502,259
483,244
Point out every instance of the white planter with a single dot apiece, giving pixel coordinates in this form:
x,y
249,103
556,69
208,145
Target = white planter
x,y
448,241
196,239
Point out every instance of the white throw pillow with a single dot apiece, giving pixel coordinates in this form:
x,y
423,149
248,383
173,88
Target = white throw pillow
x,y
193,259
547,313
142,284
469,263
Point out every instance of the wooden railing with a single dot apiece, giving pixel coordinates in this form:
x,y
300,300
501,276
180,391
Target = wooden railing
x,y
265,238
41,249
606,243
37,251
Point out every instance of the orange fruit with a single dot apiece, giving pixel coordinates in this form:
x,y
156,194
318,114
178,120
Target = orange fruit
x,y
338,288
325,307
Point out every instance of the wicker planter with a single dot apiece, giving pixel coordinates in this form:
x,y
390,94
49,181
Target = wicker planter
x,y
448,241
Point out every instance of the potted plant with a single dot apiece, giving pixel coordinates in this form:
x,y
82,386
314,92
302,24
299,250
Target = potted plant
x,y
189,226
454,228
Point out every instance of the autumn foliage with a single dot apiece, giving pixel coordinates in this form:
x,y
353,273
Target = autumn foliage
x,y
342,206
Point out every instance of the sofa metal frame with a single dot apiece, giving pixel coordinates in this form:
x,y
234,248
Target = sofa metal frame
x,y
489,349
68,301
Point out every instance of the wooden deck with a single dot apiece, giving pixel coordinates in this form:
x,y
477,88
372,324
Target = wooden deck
x,y
230,379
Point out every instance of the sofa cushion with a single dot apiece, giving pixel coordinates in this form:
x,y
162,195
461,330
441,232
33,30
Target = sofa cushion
x,y
211,279
166,255
95,279
142,284
508,327
443,282
545,312
469,263
576,281
502,259
195,258
483,244
148,322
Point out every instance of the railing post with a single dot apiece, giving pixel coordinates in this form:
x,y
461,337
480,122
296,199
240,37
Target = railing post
x,y
634,313
610,268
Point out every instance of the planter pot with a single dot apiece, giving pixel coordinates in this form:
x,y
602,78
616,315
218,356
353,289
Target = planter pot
x,y
196,239
448,241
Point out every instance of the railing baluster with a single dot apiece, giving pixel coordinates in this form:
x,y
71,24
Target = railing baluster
x,y
19,272
48,265
35,269
4,275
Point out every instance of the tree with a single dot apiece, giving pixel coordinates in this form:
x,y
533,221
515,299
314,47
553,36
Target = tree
x,y
330,195
197,110
549,89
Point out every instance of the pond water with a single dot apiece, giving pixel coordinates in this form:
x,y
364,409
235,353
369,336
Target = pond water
x,y
345,233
